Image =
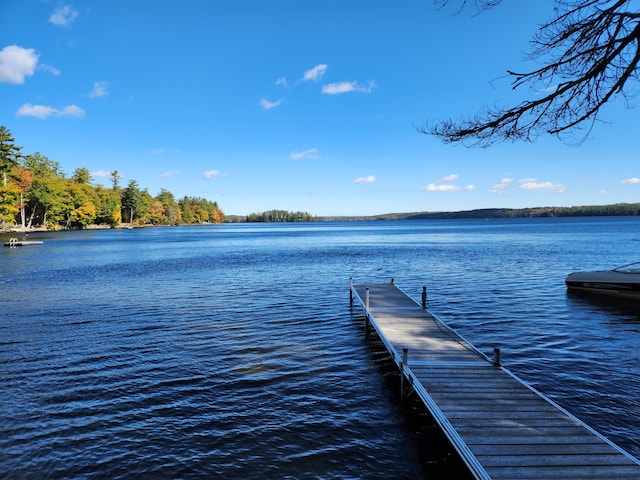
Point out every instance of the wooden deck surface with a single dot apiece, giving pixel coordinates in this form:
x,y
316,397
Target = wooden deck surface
x,y
501,427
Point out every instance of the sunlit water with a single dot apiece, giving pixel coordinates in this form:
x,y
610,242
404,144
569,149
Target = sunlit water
x,y
230,351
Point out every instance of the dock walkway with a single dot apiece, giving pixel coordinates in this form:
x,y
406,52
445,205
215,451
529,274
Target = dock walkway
x,y
501,427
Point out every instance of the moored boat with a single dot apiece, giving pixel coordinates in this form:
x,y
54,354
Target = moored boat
x,y
622,282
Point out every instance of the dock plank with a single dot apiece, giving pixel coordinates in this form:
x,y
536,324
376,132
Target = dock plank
x,y
501,427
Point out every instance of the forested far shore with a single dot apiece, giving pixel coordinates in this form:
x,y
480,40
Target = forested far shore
x,y
35,193
613,210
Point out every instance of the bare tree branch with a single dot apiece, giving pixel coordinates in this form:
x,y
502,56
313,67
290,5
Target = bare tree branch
x,y
590,54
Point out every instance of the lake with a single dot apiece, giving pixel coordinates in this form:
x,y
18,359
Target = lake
x,y
230,351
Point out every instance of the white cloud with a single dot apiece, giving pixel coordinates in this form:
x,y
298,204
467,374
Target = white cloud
x,y
438,186
38,111
63,15
346,87
500,187
369,179
315,73
268,105
71,111
211,174
433,187
45,111
170,173
99,89
310,153
631,180
532,184
16,63
282,82
158,151
100,174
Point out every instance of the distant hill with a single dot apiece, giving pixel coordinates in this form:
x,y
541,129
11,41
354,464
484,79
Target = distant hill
x,y
617,210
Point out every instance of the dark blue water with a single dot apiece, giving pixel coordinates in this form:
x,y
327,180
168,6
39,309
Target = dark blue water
x,y
230,351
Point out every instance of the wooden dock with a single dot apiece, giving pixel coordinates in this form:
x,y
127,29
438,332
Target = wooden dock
x,y
501,427
14,242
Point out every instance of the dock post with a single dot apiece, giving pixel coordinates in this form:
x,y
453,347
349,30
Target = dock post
x,y
496,357
351,291
424,297
405,360
366,301
366,327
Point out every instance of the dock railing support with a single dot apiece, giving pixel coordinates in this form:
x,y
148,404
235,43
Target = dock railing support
x,y
424,297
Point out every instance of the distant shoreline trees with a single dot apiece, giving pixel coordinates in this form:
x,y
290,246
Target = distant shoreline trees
x,y
280,216
34,192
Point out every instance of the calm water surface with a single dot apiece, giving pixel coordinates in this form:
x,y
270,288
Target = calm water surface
x,y
230,351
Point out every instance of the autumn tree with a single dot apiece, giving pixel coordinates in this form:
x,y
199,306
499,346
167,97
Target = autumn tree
x,y
109,207
46,197
23,178
165,209
9,153
588,55
131,200
82,176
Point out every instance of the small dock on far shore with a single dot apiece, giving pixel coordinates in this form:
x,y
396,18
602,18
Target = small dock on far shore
x,y
501,427
15,242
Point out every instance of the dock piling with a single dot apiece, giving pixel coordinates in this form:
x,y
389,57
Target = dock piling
x,y
405,361
424,297
366,300
496,357
351,292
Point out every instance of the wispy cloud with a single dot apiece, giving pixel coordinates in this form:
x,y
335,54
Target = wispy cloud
x,y
631,180
44,111
310,153
532,184
63,15
99,89
49,69
71,111
170,173
502,186
158,151
100,174
212,174
346,87
17,63
268,105
282,82
432,187
445,185
315,73
369,179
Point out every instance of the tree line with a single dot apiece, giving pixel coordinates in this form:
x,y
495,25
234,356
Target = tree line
x,y
278,216
614,210
35,192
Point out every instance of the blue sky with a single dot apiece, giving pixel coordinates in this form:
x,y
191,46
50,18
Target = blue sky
x,y
292,105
